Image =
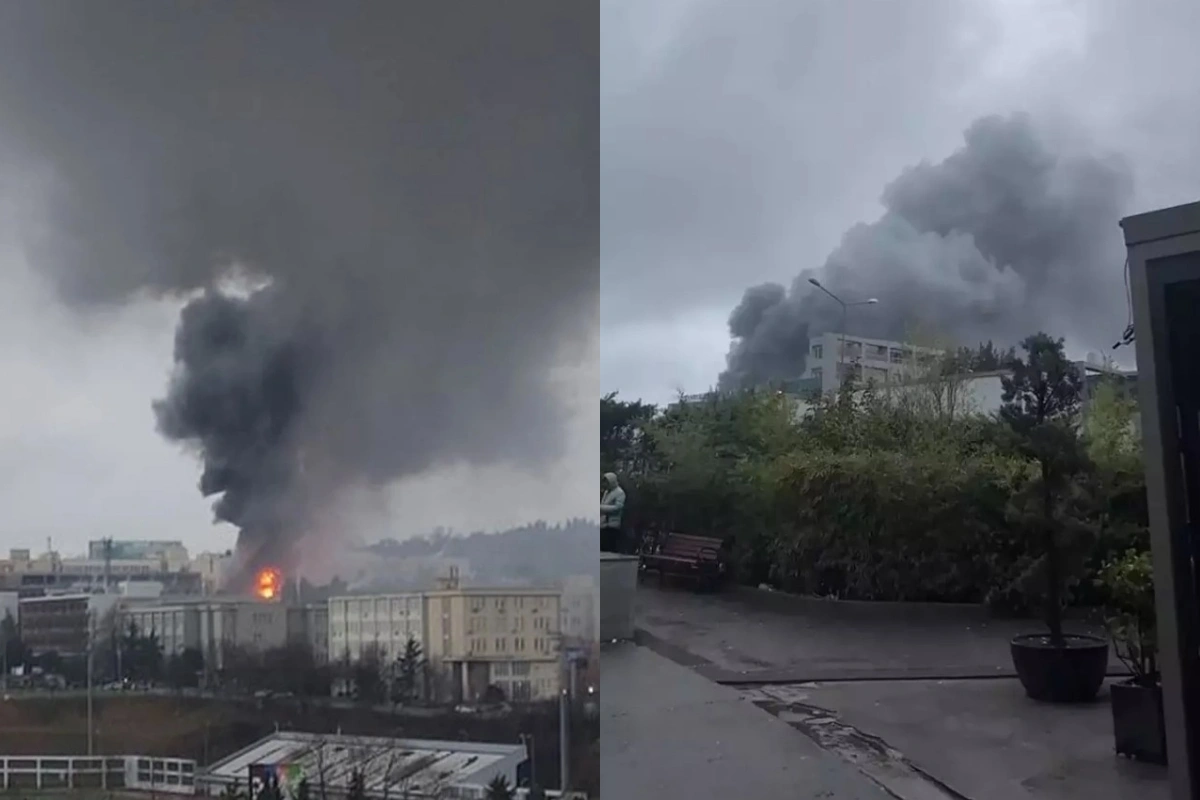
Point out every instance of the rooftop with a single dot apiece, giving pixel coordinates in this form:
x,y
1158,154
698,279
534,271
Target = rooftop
x,y
413,764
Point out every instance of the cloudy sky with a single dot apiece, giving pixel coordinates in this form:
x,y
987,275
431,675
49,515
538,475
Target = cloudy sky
x,y
742,141
419,195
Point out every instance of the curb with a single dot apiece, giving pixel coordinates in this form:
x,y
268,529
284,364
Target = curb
x,y
882,610
767,677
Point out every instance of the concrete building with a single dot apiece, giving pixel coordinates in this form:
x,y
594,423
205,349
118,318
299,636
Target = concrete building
x,y
212,568
509,638
380,622
63,623
878,360
580,609
50,573
172,555
309,624
409,768
176,626
211,625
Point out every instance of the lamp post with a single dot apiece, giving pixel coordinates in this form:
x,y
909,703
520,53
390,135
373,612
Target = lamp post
x,y
845,311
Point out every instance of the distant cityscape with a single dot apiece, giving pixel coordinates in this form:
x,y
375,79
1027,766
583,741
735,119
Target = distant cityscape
x,y
474,641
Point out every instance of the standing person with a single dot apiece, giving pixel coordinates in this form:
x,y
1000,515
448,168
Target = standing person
x,y
612,505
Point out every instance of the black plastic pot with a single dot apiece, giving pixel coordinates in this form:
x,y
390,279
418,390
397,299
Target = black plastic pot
x,y
1138,729
1072,673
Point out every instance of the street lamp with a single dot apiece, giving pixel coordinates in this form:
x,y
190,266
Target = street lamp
x,y
845,309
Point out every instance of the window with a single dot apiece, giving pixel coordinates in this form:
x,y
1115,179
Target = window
x,y
520,668
818,351
879,352
896,356
853,349
817,373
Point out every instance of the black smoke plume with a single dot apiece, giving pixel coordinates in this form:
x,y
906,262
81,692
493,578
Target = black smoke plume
x,y
1013,233
408,192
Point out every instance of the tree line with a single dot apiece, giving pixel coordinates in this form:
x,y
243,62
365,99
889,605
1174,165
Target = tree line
x,y
900,492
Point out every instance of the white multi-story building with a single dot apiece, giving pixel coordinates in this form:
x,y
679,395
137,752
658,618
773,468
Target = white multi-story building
x,y
380,623
877,360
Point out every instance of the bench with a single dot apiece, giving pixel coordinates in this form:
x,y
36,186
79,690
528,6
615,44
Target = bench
x,y
704,559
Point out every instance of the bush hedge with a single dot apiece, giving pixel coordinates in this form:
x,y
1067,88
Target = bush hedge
x,y
859,498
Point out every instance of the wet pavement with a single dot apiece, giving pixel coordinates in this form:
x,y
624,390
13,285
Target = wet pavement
x,y
751,636
668,733
920,703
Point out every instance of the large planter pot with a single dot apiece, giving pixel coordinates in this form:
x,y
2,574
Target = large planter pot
x,y
1072,673
1138,729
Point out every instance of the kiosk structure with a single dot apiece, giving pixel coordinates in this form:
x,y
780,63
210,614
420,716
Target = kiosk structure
x,y
1164,279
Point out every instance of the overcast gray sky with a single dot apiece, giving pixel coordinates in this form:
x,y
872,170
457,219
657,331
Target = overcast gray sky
x,y
741,141
418,189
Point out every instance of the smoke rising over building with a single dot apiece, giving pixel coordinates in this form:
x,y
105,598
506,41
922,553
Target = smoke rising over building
x,y
409,196
1014,232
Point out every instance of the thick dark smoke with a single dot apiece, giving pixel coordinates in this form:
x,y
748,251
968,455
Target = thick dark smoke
x,y
415,186
1013,233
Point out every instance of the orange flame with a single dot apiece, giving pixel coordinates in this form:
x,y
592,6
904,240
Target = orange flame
x,y
268,583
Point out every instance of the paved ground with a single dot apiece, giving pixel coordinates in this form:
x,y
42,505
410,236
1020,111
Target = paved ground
x,y
867,687
668,733
749,636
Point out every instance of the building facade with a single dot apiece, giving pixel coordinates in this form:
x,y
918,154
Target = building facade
x,y
833,357
379,623
309,624
64,623
509,638
50,573
580,609
177,627
172,555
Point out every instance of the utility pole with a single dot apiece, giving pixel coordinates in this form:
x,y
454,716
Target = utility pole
x,y
90,648
564,741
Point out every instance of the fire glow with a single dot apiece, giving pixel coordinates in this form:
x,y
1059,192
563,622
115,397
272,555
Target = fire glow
x,y
267,583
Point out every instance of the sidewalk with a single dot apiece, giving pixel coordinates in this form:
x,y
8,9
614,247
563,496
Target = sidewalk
x,y
669,733
899,696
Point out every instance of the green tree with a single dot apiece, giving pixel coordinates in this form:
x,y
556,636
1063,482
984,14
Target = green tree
x,y
15,653
1041,405
367,674
410,669
498,788
622,425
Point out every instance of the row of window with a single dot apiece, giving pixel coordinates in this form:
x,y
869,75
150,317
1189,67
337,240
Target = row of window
x,y
875,352
501,604
520,644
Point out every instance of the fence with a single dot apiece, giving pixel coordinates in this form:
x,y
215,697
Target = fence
x,y
167,775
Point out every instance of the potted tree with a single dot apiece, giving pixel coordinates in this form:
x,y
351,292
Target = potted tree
x,y
1137,703
1040,405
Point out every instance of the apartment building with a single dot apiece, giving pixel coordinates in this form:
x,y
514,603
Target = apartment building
x,y
507,637
382,623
